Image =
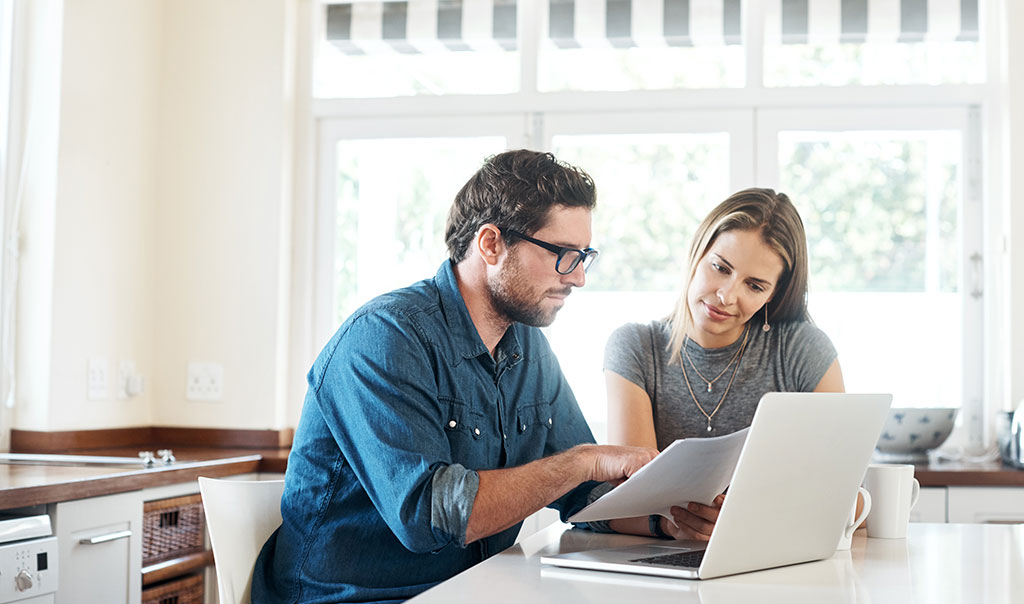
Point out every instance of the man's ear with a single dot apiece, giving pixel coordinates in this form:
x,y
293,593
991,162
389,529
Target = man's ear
x,y
489,244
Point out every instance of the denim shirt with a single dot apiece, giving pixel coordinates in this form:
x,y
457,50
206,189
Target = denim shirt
x,y
404,406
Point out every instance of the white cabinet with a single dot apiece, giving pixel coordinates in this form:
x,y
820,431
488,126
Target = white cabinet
x,y
931,505
100,549
996,505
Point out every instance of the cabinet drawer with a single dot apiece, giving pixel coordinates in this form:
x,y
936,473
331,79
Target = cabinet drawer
x,y
996,505
184,590
99,542
931,505
172,527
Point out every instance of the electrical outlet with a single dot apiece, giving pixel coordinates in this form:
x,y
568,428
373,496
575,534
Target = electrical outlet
x,y
129,382
96,379
205,382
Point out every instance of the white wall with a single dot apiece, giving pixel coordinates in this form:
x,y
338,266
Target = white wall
x,y
103,278
158,228
223,244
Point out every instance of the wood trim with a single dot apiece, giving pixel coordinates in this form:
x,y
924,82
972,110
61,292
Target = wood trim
x,y
33,441
175,567
222,438
148,437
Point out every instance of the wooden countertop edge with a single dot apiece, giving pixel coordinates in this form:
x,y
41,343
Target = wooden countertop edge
x,y
128,481
934,477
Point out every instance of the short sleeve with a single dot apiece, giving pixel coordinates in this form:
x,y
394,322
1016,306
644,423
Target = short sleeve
x,y
628,353
809,353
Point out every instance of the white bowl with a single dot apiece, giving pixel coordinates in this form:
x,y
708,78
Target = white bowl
x,y
910,432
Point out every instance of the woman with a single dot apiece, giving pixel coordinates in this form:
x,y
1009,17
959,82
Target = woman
x,y
740,329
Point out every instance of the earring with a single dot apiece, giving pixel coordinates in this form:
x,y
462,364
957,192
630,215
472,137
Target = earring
x,y
766,327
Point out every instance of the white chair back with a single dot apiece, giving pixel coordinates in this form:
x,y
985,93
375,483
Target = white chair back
x,y
240,515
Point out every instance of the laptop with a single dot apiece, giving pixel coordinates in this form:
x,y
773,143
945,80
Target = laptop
x,y
789,498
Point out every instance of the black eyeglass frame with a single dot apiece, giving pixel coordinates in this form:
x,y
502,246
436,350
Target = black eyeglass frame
x,y
586,256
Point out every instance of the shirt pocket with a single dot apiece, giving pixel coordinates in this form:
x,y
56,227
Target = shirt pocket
x,y
464,428
534,417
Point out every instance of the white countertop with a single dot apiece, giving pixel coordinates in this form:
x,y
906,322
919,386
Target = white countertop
x,y
936,563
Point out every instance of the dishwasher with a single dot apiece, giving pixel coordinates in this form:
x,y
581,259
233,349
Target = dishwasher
x,y
28,557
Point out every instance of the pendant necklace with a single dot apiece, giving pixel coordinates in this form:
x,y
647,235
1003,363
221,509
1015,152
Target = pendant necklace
x,y
710,383
738,358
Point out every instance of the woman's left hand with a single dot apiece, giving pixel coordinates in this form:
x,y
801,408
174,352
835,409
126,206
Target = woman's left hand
x,y
695,521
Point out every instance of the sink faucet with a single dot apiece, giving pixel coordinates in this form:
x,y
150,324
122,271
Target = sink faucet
x,y
149,458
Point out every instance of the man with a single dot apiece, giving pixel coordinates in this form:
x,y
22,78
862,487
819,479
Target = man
x,y
437,417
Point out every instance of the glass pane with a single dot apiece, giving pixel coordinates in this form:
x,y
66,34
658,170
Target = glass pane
x,y
364,76
872,43
392,199
615,69
588,45
882,211
652,190
388,49
873,64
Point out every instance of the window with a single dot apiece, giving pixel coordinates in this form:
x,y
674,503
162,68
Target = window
x,y
386,190
887,183
622,45
835,43
891,228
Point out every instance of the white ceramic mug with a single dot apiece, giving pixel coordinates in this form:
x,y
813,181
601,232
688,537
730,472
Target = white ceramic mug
x,y
894,490
855,519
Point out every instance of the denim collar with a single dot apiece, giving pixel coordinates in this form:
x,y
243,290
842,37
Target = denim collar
x,y
465,337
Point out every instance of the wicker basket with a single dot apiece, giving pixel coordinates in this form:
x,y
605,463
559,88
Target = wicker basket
x,y
183,590
171,528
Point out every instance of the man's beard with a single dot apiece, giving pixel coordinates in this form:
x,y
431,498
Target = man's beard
x,y
510,296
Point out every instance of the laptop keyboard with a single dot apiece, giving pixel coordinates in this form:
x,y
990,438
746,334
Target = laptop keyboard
x,y
682,559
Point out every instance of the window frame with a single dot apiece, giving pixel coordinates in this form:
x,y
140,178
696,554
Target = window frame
x,y
332,131
537,115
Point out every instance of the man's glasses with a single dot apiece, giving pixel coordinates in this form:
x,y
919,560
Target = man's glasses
x,y
568,258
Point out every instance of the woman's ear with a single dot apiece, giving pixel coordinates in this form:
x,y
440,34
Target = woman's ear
x,y
489,243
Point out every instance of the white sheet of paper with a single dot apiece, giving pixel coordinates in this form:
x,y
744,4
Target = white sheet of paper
x,y
690,469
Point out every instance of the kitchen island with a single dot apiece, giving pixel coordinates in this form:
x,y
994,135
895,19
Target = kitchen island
x,y
935,564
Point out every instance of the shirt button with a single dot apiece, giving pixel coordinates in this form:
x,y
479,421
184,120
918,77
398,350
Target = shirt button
x,y
515,356
476,431
504,435
549,421
524,426
452,424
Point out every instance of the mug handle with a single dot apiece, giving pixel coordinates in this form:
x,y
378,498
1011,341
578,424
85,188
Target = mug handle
x,y
863,513
915,493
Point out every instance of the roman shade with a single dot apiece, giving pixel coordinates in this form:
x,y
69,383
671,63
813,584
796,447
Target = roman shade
x,y
418,26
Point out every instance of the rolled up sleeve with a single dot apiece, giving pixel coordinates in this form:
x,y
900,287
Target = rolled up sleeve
x,y
454,490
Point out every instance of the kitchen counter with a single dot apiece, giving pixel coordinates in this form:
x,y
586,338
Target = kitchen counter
x,y
31,484
964,474
936,563
198,452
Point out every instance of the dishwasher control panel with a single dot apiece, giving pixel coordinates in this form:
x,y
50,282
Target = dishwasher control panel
x,y
28,569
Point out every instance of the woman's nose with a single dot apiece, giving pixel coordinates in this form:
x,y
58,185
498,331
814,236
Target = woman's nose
x,y
725,295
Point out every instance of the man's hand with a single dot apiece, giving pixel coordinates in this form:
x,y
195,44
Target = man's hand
x,y
615,464
695,521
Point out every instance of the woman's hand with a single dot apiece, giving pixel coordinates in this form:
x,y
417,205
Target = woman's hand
x,y
695,521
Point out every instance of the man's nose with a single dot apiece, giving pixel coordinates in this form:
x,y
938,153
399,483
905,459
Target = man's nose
x,y
578,277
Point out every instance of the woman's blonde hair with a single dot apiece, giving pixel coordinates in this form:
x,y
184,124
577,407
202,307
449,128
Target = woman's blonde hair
x,y
774,216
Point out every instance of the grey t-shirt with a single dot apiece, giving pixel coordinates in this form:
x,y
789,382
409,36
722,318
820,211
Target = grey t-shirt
x,y
792,357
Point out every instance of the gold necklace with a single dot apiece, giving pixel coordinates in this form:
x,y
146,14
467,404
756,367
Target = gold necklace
x,y
686,353
739,357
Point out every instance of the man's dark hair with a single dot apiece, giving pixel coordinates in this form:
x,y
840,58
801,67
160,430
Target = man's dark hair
x,y
515,190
